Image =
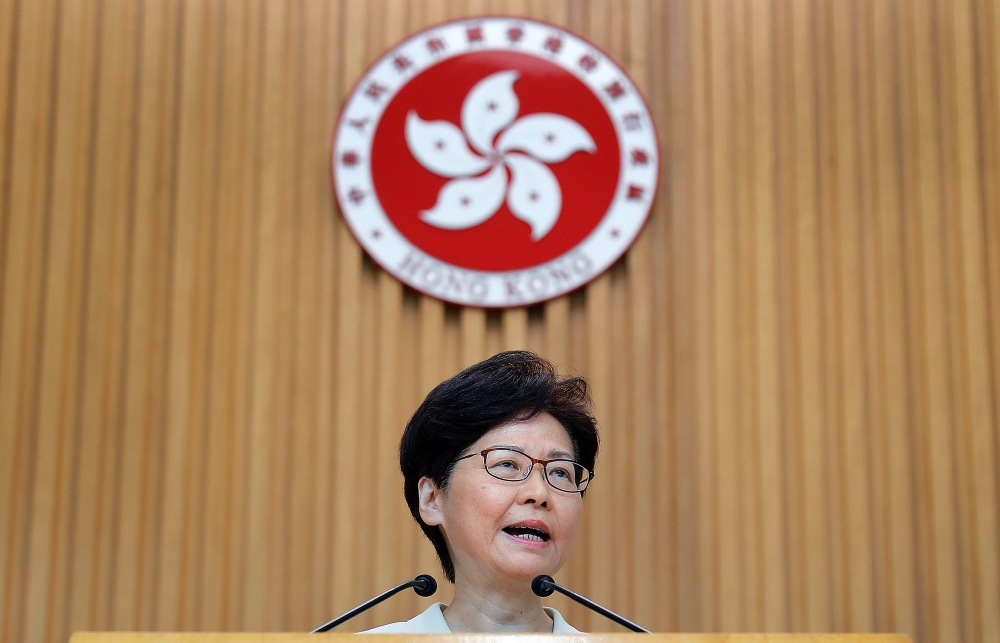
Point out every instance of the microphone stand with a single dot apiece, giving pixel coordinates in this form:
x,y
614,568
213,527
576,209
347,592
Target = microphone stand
x,y
543,585
423,585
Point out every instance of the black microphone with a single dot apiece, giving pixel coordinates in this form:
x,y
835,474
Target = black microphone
x,y
543,585
423,585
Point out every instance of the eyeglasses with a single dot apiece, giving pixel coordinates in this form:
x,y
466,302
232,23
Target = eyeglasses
x,y
514,466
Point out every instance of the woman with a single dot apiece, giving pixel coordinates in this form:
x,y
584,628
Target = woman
x,y
495,464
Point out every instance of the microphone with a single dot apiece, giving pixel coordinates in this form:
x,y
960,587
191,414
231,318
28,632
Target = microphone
x,y
423,585
543,585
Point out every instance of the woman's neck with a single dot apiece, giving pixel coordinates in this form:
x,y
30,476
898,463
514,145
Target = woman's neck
x,y
488,608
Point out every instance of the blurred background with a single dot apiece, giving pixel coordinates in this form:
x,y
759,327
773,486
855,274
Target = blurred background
x,y
203,378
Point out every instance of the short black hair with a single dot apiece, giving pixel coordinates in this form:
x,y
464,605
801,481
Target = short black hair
x,y
514,385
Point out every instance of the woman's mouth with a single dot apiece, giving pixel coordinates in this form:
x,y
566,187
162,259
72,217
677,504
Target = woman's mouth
x,y
527,533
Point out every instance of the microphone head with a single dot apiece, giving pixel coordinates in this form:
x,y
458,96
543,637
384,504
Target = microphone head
x,y
425,585
542,585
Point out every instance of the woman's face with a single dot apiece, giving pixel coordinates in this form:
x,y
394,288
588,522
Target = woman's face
x,y
484,519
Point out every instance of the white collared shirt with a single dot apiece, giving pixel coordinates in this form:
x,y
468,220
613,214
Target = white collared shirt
x,y
431,621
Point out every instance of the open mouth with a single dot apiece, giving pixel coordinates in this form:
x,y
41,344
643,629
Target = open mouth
x,y
527,533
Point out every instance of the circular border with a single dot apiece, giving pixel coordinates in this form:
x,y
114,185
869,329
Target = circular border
x,y
609,240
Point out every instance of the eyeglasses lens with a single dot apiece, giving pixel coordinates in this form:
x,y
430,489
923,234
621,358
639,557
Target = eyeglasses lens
x,y
564,475
507,465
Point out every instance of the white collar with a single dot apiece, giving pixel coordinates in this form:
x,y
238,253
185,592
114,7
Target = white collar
x,y
431,621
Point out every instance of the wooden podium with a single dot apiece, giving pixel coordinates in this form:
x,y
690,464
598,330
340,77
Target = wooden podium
x,y
276,637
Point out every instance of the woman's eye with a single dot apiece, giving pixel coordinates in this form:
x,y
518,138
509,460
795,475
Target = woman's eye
x,y
505,464
561,472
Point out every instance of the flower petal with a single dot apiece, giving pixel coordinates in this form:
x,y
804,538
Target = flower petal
x,y
441,148
464,203
489,107
534,195
548,137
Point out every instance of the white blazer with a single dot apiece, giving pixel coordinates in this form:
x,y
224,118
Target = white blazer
x,y
431,621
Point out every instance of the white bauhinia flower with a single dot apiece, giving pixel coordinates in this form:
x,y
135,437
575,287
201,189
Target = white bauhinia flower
x,y
490,143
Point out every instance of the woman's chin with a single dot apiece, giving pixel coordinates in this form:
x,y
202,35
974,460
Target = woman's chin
x,y
524,574
525,568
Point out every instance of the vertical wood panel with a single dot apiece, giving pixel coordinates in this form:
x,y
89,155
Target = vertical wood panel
x,y
262,583
769,386
787,267
987,23
600,532
745,362
726,466
682,408
8,79
872,339
855,389
320,199
96,470
66,292
642,454
190,317
977,459
936,340
896,474
26,219
203,378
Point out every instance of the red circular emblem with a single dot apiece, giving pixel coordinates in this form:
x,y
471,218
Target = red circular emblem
x,y
495,162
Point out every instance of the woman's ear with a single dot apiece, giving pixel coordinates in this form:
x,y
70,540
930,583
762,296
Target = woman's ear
x,y
430,498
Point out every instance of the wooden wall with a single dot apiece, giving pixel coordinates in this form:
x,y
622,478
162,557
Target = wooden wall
x,y
796,367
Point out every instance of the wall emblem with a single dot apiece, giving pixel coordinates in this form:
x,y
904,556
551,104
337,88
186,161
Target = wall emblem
x,y
495,162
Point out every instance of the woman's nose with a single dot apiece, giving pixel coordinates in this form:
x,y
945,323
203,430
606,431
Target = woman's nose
x,y
535,489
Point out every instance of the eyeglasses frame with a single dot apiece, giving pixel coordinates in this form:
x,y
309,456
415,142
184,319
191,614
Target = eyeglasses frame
x,y
534,461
